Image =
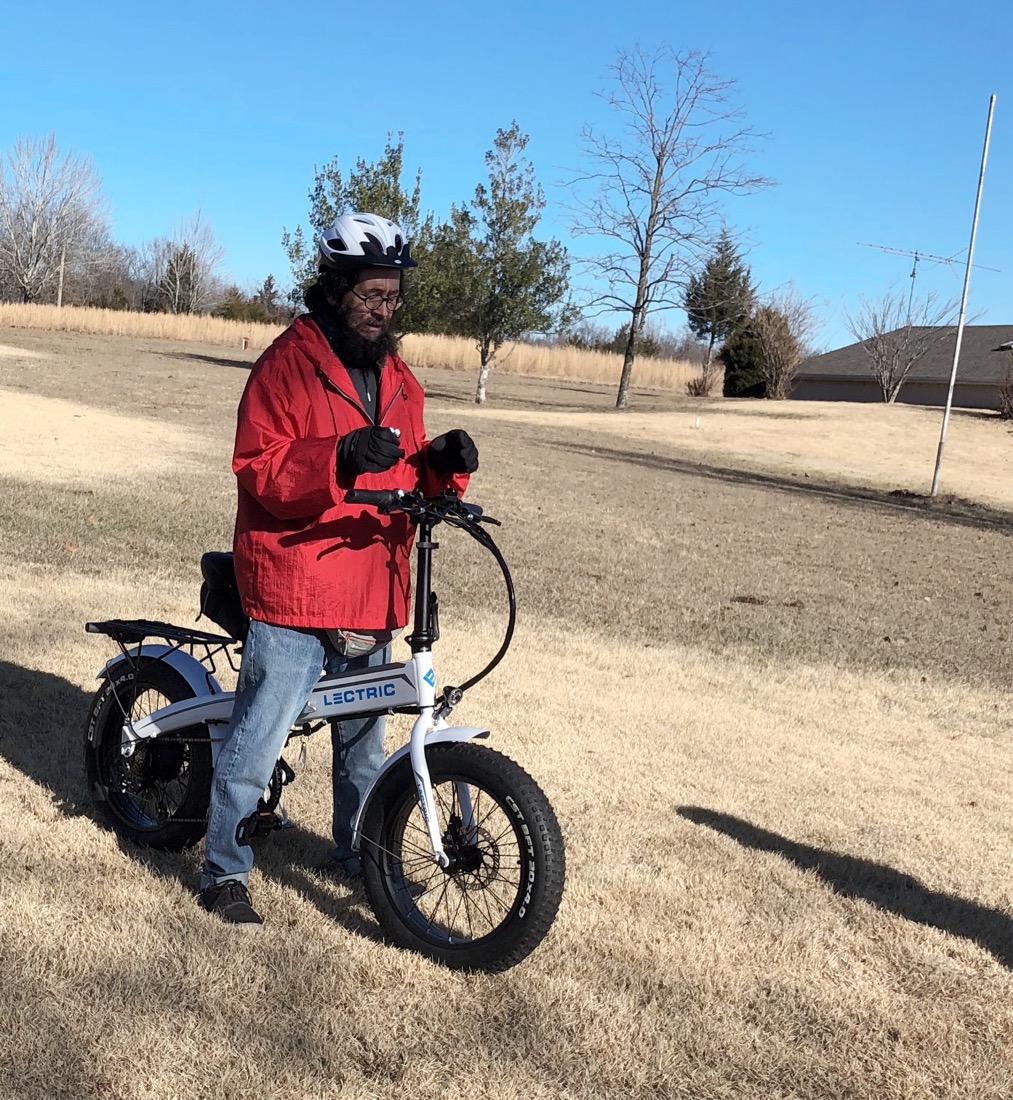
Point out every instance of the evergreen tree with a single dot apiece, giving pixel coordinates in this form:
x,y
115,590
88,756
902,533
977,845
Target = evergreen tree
x,y
648,344
373,189
719,297
491,279
263,306
742,357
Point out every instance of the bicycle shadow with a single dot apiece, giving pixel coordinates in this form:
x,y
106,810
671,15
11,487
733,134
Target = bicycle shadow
x,y
877,883
41,735
36,737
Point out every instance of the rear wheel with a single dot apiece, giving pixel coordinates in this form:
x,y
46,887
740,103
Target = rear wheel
x,y
158,795
496,901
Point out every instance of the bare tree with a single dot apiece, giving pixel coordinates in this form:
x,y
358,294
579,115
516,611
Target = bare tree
x,y
94,271
1006,385
895,335
782,328
184,267
657,186
48,200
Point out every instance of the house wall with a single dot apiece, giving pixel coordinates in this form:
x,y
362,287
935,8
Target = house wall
x,y
827,390
965,395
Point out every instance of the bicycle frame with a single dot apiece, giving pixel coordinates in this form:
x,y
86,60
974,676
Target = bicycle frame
x,y
408,686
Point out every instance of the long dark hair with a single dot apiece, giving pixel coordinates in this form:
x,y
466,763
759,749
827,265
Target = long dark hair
x,y
330,283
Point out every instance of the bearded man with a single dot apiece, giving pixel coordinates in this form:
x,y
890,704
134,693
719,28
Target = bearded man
x,y
326,584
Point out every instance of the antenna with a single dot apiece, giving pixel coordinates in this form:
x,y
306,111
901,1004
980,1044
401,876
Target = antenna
x,y
914,266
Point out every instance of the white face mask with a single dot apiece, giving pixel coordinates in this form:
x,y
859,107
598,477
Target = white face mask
x,y
358,643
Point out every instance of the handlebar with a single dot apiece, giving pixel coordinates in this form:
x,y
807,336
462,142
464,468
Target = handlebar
x,y
413,503
384,500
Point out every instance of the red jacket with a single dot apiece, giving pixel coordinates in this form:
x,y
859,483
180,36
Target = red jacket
x,y
304,557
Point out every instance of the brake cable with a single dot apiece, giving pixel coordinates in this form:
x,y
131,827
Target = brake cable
x,y
452,695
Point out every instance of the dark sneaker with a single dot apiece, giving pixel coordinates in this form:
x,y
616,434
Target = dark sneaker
x,y
230,900
350,868
346,871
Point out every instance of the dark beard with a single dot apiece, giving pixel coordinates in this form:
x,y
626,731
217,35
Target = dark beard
x,y
355,352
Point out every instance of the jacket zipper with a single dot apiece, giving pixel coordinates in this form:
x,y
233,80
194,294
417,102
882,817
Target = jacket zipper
x,y
329,384
393,397
381,413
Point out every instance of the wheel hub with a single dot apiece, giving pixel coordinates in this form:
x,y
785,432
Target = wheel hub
x,y
158,761
474,862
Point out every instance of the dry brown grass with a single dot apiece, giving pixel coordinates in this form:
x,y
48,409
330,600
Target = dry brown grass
x,y
771,712
442,352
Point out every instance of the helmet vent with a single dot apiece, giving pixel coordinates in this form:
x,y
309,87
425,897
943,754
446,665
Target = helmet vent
x,y
337,244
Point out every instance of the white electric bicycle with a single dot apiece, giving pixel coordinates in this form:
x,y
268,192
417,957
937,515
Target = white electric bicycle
x,y
462,855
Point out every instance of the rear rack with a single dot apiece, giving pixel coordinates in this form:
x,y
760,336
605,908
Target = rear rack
x,y
126,632
136,630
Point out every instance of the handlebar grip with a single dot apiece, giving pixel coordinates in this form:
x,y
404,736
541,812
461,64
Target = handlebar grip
x,y
383,499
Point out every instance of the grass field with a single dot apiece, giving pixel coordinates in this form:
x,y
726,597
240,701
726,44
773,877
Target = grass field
x,y
764,681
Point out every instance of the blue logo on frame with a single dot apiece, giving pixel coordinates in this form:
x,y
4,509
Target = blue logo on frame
x,y
430,678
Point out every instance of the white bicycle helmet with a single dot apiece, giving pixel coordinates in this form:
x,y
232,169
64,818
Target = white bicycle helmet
x,y
354,241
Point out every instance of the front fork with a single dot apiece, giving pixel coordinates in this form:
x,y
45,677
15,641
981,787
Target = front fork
x,y
425,679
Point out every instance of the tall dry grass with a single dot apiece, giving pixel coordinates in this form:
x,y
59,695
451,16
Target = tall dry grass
x,y
445,352
193,328
546,361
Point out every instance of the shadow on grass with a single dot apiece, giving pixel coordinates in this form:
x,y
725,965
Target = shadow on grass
x,y
41,722
218,361
42,719
590,397
885,887
944,508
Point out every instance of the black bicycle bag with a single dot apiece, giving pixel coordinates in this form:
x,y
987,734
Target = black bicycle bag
x,y
219,594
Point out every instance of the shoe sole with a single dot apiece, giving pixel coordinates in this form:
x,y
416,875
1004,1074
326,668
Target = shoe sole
x,y
237,925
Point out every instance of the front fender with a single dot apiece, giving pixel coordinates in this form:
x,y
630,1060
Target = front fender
x,y
434,737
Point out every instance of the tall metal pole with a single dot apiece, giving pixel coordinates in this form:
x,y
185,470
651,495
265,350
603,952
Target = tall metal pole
x,y
963,300
59,291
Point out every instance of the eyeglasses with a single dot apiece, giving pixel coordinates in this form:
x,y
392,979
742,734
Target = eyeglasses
x,y
375,300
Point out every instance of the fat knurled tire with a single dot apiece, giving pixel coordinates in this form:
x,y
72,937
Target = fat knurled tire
x,y
159,796
499,899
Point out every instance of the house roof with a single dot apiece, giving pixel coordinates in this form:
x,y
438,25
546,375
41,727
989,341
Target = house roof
x,y
984,358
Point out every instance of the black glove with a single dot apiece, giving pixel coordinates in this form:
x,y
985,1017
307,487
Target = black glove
x,y
368,451
452,453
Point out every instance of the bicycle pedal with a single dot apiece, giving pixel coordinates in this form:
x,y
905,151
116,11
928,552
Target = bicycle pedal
x,y
260,824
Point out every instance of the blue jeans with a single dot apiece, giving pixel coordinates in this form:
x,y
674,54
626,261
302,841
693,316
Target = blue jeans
x,y
279,669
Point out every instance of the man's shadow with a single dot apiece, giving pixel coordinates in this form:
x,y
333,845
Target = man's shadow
x,y
42,718
882,886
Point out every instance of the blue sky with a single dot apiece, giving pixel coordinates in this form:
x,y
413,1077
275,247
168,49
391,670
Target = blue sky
x,y
876,115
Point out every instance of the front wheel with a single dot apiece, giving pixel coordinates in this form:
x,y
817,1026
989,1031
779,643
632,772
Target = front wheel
x,y
157,796
498,898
